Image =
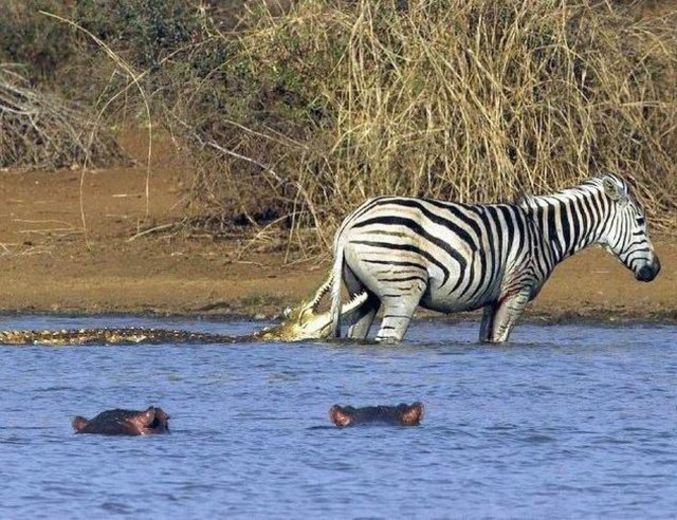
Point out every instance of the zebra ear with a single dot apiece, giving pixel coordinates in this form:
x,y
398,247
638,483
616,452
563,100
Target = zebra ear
x,y
612,189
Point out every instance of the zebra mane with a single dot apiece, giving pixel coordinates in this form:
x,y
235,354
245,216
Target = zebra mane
x,y
526,201
523,200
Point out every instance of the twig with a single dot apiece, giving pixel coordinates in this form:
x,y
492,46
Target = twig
x,y
152,230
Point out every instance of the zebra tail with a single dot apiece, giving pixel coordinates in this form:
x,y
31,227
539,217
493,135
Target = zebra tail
x,y
336,277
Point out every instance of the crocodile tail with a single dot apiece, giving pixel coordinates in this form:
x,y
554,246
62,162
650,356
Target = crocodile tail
x,y
336,277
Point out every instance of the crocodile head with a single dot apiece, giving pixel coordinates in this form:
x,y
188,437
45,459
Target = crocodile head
x,y
305,322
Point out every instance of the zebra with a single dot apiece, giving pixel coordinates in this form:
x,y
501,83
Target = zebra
x,y
445,256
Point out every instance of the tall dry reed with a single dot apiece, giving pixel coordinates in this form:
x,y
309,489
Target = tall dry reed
x,y
332,102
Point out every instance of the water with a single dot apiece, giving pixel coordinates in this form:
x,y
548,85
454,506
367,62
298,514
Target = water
x,y
566,422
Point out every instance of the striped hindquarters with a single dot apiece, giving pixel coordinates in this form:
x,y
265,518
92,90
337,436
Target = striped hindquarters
x,y
398,243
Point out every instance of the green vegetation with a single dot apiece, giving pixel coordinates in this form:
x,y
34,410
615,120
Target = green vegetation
x,y
296,113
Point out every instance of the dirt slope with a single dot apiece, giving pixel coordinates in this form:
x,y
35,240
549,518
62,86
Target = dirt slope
x,y
47,265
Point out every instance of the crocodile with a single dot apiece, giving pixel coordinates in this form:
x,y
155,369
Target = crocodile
x,y
303,322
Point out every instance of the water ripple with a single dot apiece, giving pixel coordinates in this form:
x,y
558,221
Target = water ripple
x,y
566,422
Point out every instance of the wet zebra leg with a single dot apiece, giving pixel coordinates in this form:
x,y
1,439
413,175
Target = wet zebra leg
x,y
397,314
509,308
368,310
487,322
361,322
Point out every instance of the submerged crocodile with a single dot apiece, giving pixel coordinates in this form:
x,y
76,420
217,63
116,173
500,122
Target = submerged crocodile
x,y
303,322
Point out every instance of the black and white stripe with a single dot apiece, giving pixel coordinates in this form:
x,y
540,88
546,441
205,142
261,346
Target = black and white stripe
x,y
449,257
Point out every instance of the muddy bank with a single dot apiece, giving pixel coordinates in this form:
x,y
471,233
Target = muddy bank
x,y
48,264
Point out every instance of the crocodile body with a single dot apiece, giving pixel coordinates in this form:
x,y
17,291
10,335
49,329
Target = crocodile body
x,y
304,322
109,336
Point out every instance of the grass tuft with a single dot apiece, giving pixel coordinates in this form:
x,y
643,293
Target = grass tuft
x,y
322,104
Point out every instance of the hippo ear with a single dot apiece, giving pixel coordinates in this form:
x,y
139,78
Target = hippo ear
x,y
413,415
339,417
79,423
160,414
146,418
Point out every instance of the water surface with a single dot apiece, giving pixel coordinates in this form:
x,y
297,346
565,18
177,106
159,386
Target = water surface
x,y
567,421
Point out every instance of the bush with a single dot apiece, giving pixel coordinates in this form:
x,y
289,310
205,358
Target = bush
x,y
33,40
295,112
335,101
40,130
143,32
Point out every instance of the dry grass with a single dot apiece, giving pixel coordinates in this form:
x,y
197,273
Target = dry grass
x,y
332,102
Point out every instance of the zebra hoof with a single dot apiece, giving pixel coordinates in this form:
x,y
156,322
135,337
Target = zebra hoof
x,y
387,340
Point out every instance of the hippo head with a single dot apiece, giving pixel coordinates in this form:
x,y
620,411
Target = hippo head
x,y
79,423
153,420
125,422
402,414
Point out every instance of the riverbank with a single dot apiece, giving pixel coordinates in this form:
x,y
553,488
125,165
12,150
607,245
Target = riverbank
x,y
48,264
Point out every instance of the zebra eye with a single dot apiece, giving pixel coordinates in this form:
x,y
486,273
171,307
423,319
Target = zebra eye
x,y
640,220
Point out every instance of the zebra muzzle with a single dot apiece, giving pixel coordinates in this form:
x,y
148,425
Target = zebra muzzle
x,y
650,271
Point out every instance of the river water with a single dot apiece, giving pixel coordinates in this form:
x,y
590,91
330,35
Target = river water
x,y
568,421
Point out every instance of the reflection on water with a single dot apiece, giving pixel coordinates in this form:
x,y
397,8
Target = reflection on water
x,y
567,421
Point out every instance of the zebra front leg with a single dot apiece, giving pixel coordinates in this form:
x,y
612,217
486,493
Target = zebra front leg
x,y
506,312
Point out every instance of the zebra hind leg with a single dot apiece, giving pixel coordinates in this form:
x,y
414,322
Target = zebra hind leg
x,y
398,311
368,310
359,328
487,322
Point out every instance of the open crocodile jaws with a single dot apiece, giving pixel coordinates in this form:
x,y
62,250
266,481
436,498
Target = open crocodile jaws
x,y
304,322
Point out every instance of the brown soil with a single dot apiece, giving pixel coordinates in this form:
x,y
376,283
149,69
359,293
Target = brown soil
x,y
48,264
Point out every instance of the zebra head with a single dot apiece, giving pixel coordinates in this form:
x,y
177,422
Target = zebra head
x,y
625,234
